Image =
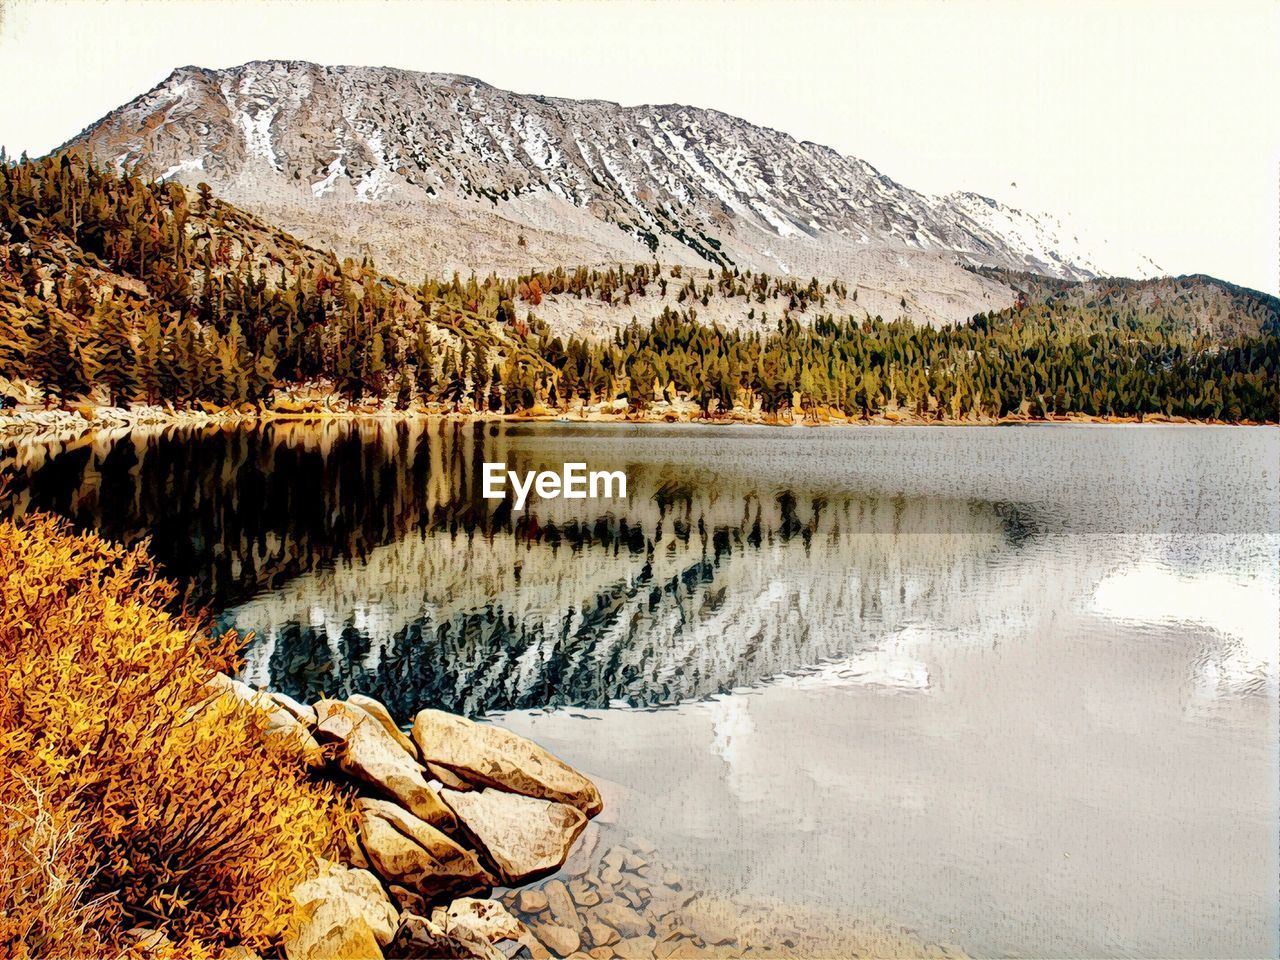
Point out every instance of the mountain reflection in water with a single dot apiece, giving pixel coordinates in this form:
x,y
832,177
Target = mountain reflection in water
x,y
987,683
364,558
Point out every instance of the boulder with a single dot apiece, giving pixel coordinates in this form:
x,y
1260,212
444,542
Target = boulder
x,y
369,755
531,901
280,721
469,917
486,755
384,719
560,940
342,914
447,777
635,948
409,901
524,838
409,852
304,714
563,909
419,939
601,934
621,917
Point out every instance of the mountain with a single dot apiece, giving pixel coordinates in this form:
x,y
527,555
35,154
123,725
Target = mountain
x,y
431,173
1198,304
143,290
122,288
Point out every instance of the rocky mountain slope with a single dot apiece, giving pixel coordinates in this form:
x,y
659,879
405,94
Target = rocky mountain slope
x,y
431,173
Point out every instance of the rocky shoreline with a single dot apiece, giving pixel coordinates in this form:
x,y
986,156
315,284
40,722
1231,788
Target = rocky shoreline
x,y
473,842
444,814
35,424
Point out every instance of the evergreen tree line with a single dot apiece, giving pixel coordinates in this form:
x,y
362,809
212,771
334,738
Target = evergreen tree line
x,y
148,293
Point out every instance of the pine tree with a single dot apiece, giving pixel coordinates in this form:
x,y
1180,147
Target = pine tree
x,y
149,359
111,348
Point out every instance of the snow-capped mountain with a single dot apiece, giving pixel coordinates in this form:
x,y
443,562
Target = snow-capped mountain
x,y
437,171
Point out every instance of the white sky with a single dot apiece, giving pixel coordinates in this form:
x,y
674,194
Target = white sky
x,y
1152,124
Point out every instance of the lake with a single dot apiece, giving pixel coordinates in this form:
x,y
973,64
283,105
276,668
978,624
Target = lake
x,y
1011,688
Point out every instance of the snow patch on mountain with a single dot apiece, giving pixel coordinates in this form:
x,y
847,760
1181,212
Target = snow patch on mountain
x,y
430,172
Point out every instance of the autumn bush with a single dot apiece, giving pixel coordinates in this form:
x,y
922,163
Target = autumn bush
x,y
128,796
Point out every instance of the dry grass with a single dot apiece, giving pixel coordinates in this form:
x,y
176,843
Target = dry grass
x,y
128,798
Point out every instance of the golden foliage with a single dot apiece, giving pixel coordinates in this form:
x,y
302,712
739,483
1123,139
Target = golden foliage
x,y
128,796
46,907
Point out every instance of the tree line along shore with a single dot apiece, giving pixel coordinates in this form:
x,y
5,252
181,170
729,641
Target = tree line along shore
x,y
122,290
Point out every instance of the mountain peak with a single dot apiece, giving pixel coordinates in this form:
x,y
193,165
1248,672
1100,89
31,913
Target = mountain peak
x,y
603,181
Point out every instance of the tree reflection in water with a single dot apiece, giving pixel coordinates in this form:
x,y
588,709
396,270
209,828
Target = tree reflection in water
x,y
364,558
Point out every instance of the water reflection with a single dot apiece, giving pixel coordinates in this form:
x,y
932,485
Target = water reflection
x,y
1021,684
364,558
681,601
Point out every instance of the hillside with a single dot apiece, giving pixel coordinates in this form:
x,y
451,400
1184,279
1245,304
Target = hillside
x,y
432,173
1197,304
129,290
149,291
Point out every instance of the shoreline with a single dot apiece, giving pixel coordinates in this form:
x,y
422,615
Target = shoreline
x,y
39,424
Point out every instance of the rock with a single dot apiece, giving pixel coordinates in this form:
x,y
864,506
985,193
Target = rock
x,y
601,934
146,939
673,880
490,756
583,857
560,940
536,950
582,894
304,714
487,919
343,914
634,897
561,904
524,838
634,863
280,721
600,953
368,754
602,889
681,950
635,948
411,853
531,901
713,929
448,778
663,903
672,929
665,948
519,950
409,901
611,875
622,918
419,939
383,717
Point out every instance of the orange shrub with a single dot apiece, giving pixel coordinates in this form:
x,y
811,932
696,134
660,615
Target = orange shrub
x,y
127,797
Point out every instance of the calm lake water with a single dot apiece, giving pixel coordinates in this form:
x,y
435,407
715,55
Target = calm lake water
x,y
1011,688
